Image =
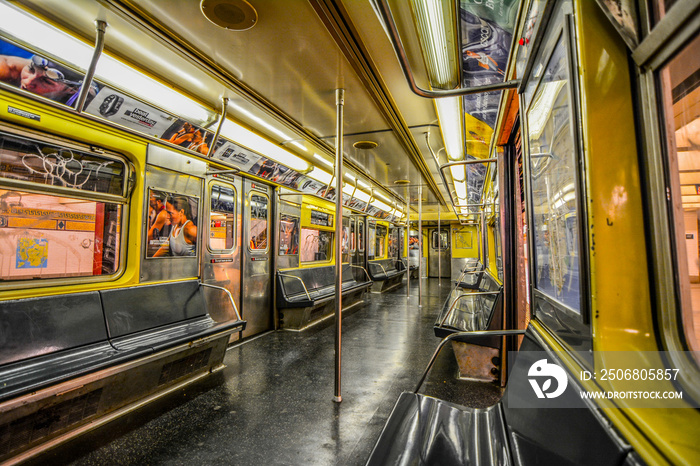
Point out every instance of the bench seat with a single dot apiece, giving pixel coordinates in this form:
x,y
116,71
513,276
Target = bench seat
x,y
474,310
26,376
388,272
172,335
425,430
520,429
304,296
471,310
471,275
106,348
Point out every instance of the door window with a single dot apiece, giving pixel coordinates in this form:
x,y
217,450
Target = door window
x,y
259,206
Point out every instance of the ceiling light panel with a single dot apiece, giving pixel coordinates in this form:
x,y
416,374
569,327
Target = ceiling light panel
x,y
436,25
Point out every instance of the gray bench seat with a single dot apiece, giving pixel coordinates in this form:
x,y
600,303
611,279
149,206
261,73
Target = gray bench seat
x,y
425,430
466,310
306,296
518,430
51,339
308,287
388,272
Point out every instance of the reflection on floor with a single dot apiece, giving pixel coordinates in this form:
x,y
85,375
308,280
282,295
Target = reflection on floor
x,y
273,404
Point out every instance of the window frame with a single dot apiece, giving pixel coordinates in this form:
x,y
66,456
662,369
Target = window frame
x,y
660,45
572,327
249,219
301,239
122,200
235,217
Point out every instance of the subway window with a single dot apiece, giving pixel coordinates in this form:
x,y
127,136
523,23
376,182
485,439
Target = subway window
x,y
680,91
439,240
259,206
345,241
315,245
61,210
222,218
380,240
289,235
395,243
553,181
361,235
353,240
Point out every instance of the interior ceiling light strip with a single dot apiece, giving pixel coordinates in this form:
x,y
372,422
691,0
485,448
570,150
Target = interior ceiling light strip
x,y
390,24
110,70
435,22
451,119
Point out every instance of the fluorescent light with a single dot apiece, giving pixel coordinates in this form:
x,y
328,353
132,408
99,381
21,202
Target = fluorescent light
x,y
252,141
435,22
450,115
361,195
381,195
281,134
458,173
299,145
362,184
380,205
320,175
124,77
323,160
41,35
461,189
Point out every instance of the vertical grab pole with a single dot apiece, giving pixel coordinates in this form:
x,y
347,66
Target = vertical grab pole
x,y
100,28
420,246
408,243
339,102
439,254
484,239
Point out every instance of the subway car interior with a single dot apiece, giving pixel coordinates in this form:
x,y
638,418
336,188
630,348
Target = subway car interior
x,y
354,232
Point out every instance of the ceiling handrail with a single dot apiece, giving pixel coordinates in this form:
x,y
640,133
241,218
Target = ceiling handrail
x,y
390,24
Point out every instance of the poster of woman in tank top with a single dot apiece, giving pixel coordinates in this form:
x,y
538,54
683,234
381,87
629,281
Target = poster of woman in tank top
x,y
172,225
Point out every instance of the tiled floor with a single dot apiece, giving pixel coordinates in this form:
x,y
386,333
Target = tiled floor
x,y
273,404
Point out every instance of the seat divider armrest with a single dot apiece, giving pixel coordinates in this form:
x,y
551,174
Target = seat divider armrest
x,y
302,283
230,296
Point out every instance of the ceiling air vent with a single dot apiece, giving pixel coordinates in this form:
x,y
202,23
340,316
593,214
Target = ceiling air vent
x,y
236,15
365,145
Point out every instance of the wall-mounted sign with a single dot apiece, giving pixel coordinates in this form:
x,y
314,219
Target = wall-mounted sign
x,y
321,218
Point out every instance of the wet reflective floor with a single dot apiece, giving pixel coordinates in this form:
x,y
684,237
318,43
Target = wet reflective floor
x,y
273,403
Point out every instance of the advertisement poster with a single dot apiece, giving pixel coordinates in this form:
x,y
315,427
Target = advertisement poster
x,y
119,108
487,29
26,70
171,229
233,153
184,134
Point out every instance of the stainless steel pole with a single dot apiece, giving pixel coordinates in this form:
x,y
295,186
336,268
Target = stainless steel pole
x,y
483,239
439,249
420,246
408,243
100,28
339,102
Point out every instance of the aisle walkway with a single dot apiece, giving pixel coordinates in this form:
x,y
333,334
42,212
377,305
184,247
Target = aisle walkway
x,y
273,403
